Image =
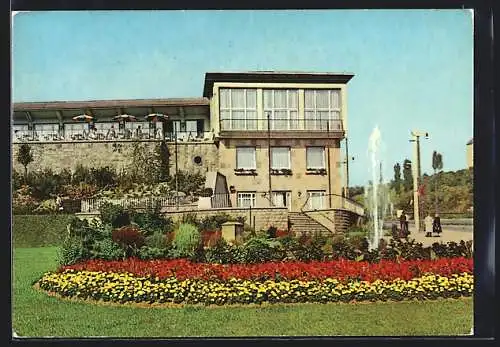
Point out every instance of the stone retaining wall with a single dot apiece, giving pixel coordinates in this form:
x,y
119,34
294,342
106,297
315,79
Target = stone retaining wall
x,y
68,155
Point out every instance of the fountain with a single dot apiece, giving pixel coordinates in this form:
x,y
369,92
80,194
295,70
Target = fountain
x,y
376,194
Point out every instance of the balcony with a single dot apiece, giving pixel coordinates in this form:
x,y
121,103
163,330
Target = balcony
x,y
281,128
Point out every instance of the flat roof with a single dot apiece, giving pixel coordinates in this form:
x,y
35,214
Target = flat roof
x,y
60,105
273,77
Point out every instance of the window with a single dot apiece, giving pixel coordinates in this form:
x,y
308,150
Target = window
x,y
283,107
238,109
316,199
280,157
245,158
246,199
281,198
315,157
322,109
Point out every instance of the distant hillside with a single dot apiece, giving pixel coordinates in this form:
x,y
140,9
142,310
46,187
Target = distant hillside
x,y
454,193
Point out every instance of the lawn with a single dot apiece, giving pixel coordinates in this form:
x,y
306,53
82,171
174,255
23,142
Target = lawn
x,y
36,314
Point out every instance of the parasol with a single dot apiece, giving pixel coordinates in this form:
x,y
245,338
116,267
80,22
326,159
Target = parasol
x,y
83,118
124,118
156,117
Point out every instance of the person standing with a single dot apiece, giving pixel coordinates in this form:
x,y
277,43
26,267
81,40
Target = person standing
x,y
436,225
429,222
402,223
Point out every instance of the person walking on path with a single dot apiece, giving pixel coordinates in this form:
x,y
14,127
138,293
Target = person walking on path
x,y
436,225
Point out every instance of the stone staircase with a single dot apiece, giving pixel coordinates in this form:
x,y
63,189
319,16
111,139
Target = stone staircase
x,y
301,224
344,219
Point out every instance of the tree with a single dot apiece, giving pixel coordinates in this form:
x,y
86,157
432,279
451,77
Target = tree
x,y
407,175
25,157
397,178
437,165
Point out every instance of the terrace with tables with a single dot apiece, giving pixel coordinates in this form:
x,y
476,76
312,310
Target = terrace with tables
x,y
184,120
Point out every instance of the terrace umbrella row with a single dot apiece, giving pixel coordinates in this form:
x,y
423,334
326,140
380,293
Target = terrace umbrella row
x,y
153,117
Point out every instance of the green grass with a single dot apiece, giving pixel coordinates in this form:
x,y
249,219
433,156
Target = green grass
x,y
36,314
39,230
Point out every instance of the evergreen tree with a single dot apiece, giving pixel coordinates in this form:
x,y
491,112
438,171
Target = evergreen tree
x,y
407,175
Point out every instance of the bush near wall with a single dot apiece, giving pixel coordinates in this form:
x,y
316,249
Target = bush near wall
x,y
39,230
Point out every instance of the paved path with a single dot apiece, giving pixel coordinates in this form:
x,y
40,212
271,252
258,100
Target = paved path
x,y
446,236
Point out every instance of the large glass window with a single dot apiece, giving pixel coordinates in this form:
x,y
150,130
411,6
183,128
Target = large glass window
x,y
246,199
322,109
245,158
315,157
316,199
280,157
238,109
283,107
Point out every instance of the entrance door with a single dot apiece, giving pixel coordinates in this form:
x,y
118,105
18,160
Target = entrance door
x,y
282,199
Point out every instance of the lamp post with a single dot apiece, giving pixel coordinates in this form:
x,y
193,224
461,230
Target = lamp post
x,y
416,174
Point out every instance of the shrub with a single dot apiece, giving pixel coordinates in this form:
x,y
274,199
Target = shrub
x,y
152,222
223,253
257,250
71,251
190,218
210,238
186,239
45,184
147,253
157,240
114,214
81,174
129,238
107,249
103,177
271,232
39,230
46,207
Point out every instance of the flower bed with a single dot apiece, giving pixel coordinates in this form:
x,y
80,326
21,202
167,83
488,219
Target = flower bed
x,y
123,287
339,269
180,281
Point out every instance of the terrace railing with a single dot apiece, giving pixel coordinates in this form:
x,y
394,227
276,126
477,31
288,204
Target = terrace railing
x,y
21,136
93,205
284,124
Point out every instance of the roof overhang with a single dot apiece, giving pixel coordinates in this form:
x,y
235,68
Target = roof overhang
x,y
272,77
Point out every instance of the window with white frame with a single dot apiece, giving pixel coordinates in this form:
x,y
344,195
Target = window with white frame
x,y
322,109
281,198
315,157
238,109
245,158
316,199
280,158
283,107
246,199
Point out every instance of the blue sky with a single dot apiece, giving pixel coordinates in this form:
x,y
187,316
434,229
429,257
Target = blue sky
x,y
413,69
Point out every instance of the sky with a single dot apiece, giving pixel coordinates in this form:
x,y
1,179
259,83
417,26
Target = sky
x,y
413,68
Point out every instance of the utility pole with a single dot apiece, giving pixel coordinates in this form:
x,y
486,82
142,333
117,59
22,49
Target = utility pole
x,y
176,171
269,157
416,174
346,172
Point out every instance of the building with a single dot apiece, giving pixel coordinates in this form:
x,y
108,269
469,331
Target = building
x,y
470,153
275,136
